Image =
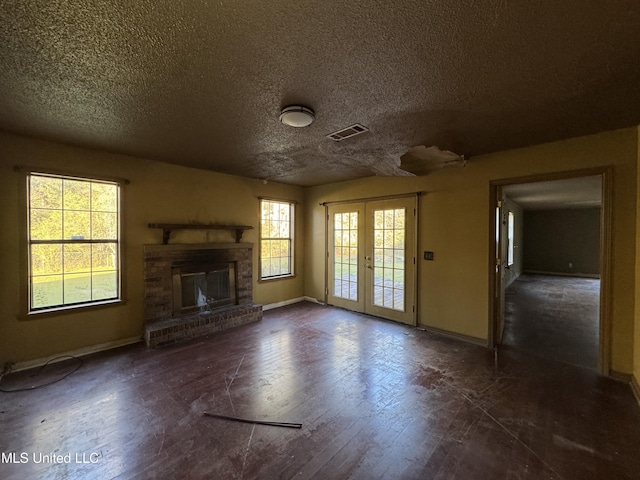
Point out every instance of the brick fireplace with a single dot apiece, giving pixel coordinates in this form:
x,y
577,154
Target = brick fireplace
x,y
193,290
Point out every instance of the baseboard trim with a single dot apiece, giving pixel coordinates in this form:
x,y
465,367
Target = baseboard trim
x,y
313,300
291,301
481,342
635,388
619,376
80,352
561,274
284,303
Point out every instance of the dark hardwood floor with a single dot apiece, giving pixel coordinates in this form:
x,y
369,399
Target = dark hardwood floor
x,y
555,317
377,400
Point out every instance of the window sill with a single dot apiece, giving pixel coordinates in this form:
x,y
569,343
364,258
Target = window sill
x,y
272,279
56,312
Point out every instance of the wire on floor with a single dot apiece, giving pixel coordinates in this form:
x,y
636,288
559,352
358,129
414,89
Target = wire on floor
x,y
33,387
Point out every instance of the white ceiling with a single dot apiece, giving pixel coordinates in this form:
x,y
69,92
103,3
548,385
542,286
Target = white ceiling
x,y
202,83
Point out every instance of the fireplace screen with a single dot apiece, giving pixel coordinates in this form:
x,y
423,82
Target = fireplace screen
x,y
203,289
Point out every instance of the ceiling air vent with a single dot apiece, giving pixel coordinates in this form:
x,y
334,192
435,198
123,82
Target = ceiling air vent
x,y
352,131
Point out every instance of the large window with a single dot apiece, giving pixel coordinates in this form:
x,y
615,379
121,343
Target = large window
x,y
74,241
276,239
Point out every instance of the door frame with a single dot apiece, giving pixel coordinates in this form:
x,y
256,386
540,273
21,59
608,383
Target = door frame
x,y
501,264
604,349
410,282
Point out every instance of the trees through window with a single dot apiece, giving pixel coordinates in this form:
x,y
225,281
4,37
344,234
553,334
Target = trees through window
x,y
276,239
74,241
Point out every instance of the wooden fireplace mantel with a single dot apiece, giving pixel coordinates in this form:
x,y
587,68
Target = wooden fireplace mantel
x,y
168,227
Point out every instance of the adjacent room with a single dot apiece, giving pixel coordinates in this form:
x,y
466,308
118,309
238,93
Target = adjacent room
x,y
320,241
553,257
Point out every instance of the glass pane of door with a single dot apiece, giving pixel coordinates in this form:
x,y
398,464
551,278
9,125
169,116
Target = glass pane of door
x,y
345,257
389,258
345,281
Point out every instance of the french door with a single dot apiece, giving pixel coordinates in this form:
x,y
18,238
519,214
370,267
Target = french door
x,y
371,257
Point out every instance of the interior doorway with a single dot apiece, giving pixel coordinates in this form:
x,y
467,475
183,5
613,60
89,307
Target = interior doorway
x,y
371,257
550,267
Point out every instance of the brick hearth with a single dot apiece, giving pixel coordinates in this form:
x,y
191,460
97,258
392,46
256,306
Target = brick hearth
x,y
161,327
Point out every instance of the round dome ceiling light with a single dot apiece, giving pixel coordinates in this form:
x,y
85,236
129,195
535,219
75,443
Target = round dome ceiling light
x,y
297,116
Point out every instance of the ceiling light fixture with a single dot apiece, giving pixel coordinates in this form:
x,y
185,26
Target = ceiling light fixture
x,y
297,116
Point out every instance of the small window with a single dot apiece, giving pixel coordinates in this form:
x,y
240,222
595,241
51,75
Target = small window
x,y
74,241
276,239
510,236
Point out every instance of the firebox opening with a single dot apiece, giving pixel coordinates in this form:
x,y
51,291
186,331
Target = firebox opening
x,y
203,288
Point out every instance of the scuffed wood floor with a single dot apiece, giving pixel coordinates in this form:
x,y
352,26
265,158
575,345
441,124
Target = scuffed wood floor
x,y
376,400
554,317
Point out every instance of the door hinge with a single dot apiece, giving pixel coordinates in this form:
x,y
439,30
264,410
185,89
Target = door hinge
x,y
498,261
499,204
326,291
413,308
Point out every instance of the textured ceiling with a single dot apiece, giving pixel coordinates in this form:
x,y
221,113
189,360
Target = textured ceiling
x,y
580,192
202,83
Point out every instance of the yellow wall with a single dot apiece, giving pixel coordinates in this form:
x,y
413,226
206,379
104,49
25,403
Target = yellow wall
x,y
158,192
454,223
